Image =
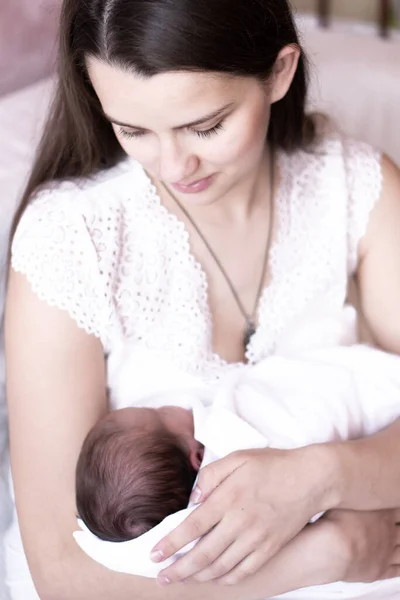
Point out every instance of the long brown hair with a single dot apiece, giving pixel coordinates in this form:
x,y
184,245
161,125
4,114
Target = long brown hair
x,y
239,37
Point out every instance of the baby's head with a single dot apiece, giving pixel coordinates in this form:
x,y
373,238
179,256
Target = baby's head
x,y
136,466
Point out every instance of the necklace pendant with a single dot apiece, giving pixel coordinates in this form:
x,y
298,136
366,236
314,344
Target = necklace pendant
x,y
250,331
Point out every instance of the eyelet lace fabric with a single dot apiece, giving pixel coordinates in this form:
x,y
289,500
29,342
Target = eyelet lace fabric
x,y
108,252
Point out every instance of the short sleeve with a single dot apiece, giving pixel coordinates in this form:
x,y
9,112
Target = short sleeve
x,y
53,248
364,185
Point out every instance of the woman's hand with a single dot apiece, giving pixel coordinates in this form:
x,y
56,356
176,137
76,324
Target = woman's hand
x,y
371,543
351,546
255,502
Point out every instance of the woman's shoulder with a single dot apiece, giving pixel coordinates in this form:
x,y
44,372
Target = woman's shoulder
x,y
107,189
335,162
353,168
338,179
359,160
331,146
79,215
67,238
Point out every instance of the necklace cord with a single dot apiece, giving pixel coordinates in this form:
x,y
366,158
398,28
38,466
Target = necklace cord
x,y
249,318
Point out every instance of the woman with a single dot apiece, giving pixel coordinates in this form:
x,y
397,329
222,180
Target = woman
x,y
233,212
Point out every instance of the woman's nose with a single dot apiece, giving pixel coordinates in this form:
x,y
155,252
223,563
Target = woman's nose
x,y
176,163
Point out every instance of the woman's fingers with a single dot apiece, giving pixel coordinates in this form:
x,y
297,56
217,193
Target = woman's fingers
x,y
196,525
200,521
396,556
249,566
394,569
392,573
211,476
206,552
233,564
222,503
397,536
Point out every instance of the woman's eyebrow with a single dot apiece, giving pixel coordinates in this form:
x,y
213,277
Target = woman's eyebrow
x,y
200,121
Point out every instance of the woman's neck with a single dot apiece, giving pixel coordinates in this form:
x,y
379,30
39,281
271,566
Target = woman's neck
x,y
242,202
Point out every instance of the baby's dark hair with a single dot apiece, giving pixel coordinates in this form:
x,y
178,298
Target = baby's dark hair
x,y
129,480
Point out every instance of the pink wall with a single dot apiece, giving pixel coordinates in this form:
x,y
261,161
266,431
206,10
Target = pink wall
x,y
27,41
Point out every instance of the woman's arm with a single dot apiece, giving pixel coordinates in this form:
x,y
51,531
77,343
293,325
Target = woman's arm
x,y
367,471
56,392
319,555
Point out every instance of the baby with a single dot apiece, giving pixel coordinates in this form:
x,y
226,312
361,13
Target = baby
x,y
136,467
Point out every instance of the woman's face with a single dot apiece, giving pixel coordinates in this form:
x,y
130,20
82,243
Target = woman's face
x,y
199,133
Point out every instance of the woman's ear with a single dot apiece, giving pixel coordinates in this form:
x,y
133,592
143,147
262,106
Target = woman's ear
x,y
283,72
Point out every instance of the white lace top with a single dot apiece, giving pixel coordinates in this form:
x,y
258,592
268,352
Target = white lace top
x,y
109,253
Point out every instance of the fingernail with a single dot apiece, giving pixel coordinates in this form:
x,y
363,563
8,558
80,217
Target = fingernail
x,y
156,556
163,580
195,496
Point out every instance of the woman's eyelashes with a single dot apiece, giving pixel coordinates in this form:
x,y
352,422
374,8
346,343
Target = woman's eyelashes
x,y
202,134
130,134
209,132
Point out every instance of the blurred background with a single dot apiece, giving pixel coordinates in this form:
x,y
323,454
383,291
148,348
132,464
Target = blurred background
x,y
350,9
354,51
28,31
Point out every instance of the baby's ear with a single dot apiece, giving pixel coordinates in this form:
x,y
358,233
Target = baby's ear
x,y
196,452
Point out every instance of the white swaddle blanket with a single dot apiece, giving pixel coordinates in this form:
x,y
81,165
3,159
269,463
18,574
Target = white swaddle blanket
x,y
305,394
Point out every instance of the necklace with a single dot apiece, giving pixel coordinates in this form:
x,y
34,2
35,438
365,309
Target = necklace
x,y
250,328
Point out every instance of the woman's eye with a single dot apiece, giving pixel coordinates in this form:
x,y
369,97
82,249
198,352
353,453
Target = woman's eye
x,y
209,132
203,134
130,134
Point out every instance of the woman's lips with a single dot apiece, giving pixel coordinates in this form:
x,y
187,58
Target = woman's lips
x,y
193,188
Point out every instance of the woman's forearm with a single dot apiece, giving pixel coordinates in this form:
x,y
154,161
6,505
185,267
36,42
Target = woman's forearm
x,y
315,557
365,473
